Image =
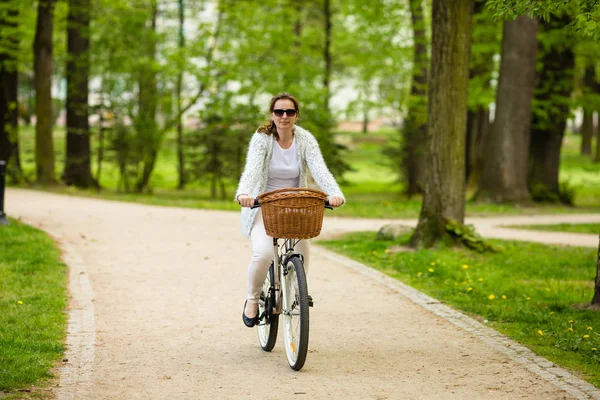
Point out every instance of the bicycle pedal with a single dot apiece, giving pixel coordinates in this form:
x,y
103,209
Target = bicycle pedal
x,y
311,303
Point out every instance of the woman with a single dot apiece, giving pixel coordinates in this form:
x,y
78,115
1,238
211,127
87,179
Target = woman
x,y
278,156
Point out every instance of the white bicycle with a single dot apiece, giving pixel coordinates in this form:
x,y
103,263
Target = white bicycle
x,y
288,214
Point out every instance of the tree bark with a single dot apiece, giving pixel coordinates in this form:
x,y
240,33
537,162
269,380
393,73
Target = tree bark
x,y
596,298
478,116
444,190
327,54
504,175
587,131
415,127
77,160
180,155
42,49
478,129
9,105
148,102
554,86
587,127
597,157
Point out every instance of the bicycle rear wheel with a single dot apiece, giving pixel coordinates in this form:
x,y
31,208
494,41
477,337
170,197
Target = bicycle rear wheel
x,y
295,313
269,322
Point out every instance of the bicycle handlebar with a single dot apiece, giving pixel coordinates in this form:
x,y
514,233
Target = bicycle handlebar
x,y
257,204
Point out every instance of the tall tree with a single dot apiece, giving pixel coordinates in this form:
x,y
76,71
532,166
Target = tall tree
x,y
146,125
487,35
180,153
327,54
504,177
596,298
42,49
77,161
9,106
551,107
415,124
597,156
444,194
587,126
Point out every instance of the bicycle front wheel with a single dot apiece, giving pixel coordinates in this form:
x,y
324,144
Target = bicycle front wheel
x,y
269,322
295,313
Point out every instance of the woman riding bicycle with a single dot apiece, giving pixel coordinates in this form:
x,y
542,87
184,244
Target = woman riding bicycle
x,y
278,157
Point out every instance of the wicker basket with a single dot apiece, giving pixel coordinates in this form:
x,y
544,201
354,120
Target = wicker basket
x,y
293,213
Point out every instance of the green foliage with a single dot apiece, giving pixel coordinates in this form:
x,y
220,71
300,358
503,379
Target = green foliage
x,y
566,193
215,153
468,236
33,298
527,292
586,12
487,37
552,94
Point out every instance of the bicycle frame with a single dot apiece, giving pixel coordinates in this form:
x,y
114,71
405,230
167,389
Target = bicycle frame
x,y
279,264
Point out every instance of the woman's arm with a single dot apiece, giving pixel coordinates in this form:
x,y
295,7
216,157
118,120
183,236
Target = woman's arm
x,y
320,172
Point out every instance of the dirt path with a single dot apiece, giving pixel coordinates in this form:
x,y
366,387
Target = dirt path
x,y
157,297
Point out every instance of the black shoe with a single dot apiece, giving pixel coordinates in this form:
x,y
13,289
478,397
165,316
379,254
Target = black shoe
x,y
311,303
249,322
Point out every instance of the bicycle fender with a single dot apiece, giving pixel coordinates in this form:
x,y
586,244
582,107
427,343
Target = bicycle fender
x,y
293,255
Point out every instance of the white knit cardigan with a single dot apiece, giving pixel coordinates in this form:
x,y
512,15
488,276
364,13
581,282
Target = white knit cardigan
x,y
254,178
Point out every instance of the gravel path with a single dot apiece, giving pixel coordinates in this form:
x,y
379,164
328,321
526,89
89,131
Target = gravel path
x,y
156,304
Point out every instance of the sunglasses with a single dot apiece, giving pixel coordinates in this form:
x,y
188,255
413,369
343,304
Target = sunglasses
x,y
289,113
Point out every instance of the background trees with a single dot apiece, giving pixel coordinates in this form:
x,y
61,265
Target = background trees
x,y
162,74
9,106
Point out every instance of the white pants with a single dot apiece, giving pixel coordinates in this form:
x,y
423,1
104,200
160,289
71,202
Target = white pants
x,y
262,256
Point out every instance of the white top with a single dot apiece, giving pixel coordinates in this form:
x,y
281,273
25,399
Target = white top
x,y
284,168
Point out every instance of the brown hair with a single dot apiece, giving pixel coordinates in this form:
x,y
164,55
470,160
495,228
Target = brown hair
x,y
269,127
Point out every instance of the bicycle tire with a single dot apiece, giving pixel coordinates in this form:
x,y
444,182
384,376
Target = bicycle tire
x,y
295,314
269,324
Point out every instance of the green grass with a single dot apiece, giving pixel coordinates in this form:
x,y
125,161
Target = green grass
x,y
580,172
575,228
534,288
33,299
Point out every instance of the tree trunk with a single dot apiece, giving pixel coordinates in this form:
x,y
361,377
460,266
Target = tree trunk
x,y
42,49
597,157
180,155
504,175
327,54
587,131
444,190
415,128
554,87
77,160
9,105
148,102
587,127
478,116
596,298
100,154
478,129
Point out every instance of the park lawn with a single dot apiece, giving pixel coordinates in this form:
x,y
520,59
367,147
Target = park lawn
x,y
527,291
33,300
574,228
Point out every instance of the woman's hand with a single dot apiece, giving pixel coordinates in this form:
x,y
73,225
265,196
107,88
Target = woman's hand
x,y
335,201
245,200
